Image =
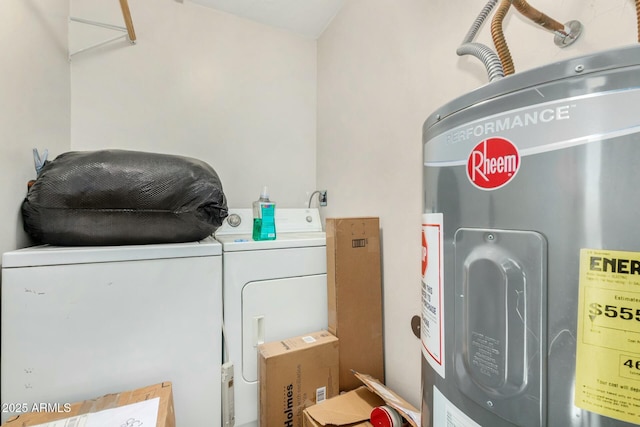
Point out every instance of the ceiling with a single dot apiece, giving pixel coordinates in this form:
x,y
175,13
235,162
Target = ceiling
x,y
305,17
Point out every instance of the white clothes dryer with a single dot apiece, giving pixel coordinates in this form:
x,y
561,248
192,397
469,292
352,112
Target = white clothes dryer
x,y
81,322
273,290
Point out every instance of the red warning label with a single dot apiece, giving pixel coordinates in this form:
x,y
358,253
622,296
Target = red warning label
x,y
425,258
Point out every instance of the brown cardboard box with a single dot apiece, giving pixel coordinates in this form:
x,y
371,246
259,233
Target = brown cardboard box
x,y
349,409
353,409
166,415
354,290
407,410
296,373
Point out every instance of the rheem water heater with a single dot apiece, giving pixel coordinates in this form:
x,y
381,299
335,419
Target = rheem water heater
x,y
531,249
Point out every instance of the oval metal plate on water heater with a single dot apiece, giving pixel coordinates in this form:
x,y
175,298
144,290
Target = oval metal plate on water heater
x,y
500,280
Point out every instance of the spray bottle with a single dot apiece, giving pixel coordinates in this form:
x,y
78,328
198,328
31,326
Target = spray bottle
x,y
264,217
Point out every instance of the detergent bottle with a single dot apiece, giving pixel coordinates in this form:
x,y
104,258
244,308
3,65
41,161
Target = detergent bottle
x,y
264,217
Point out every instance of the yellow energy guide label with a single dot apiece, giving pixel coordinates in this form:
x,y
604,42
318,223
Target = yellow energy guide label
x,y
608,344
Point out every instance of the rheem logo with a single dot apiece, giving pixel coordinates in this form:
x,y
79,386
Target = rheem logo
x,y
493,163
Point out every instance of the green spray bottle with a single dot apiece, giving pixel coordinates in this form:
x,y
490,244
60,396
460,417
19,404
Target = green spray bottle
x,y
264,217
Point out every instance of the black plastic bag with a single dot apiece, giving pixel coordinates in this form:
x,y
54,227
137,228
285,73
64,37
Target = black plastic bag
x,y
119,197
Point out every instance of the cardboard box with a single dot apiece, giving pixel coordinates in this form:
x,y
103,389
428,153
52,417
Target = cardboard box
x,y
111,409
354,291
353,409
349,409
296,373
407,410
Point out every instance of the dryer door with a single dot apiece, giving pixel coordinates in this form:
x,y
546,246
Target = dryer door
x,y
277,309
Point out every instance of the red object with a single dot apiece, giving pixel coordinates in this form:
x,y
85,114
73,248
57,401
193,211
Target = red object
x,y
385,416
425,253
493,163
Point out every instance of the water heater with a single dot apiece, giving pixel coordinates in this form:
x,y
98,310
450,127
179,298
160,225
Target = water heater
x,y
531,249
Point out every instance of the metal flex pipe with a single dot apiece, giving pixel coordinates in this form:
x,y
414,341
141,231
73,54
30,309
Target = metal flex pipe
x,y
538,17
499,41
638,17
565,34
488,57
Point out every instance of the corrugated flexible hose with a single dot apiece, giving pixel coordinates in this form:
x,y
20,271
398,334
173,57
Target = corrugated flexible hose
x,y
538,17
499,41
529,12
638,17
487,56
482,16
484,53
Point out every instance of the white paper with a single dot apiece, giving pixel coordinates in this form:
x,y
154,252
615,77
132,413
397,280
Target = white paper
x,y
446,414
383,392
77,421
415,417
432,328
141,414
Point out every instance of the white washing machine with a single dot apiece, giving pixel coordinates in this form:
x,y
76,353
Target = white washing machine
x,y
273,290
80,322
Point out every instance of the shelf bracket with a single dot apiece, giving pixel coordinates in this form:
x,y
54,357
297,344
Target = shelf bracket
x,y
128,29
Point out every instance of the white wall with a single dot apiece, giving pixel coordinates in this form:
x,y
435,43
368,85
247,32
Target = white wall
x,y
34,101
382,69
243,97
200,83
